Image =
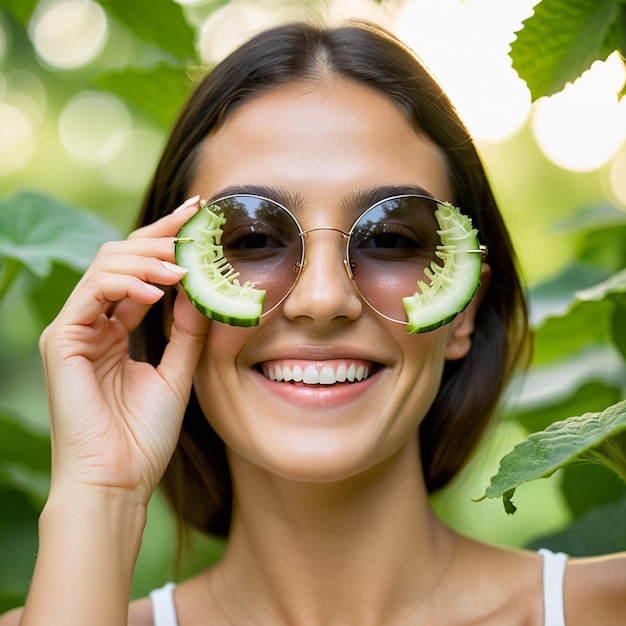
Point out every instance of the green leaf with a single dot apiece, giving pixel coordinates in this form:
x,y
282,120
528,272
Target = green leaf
x,y
619,326
584,323
24,458
585,396
158,91
21,445
601,531
21,10
37,231
615,284
589,319
594,437
160,22
47,296
561,40
555,295
588,486
18,546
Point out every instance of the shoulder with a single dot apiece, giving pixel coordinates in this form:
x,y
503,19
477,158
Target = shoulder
x,y
498,586
139,613
595,591
12,618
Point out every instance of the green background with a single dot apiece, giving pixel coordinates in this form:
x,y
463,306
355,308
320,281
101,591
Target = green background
x,y
54,213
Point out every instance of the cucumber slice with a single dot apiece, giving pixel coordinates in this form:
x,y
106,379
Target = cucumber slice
x,y
211,282
453,284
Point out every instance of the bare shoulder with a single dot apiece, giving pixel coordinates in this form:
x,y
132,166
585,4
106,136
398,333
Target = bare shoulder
x,y
12,618
595,590
139,613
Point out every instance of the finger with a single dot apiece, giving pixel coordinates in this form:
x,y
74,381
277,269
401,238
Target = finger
x,y
170,224
149,269
116,276
187,338
157,247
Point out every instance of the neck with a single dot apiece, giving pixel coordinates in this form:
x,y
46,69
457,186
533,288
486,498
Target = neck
x,y
354,551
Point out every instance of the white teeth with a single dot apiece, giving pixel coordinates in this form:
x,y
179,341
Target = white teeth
x,y
311,376
317,375
350,373
327,376
341,374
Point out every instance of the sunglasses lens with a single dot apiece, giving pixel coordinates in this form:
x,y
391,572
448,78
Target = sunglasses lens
x,y
390,246
261,240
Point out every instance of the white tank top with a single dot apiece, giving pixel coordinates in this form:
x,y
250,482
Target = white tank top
x,y
164,610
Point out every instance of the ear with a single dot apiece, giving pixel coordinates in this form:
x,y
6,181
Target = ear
x,y
460,330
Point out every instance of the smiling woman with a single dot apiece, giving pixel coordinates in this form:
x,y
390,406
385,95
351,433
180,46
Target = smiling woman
x,y
313,439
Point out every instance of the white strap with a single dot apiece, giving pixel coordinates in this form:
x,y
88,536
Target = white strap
x,y
163,609
553,574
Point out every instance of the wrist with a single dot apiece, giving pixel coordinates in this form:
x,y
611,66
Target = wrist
x,y
100,510
89,543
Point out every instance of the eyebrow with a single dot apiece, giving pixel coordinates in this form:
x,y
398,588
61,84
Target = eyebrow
x,y
292,201
363,199
358,200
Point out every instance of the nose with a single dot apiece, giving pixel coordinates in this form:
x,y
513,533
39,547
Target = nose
x,y
324,291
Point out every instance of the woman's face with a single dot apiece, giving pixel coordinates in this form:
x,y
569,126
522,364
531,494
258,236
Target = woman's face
x,y
323,144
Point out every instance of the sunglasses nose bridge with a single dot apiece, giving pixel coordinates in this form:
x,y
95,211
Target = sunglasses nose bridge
x,y
345,236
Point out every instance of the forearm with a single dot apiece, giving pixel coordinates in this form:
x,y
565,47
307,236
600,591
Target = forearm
x,y
88,549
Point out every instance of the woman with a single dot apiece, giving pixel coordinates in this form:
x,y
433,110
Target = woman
x,y
321,486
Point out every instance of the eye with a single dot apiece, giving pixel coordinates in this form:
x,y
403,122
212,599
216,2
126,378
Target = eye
x,y
253,236
387,238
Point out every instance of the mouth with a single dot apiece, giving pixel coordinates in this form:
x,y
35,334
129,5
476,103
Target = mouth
x,y
318,373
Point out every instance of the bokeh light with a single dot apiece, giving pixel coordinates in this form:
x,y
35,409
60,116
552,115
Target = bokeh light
x,y
465,45
17,141
93,128
68,33
26,92
229,26
135,160
582,127
617,178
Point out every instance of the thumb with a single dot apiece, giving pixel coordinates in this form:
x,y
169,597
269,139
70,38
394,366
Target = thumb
x,y
187,338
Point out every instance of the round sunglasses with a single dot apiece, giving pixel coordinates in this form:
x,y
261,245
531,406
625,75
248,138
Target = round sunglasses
x,y
391,249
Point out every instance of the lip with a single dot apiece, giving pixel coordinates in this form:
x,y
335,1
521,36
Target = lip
x,y
318,394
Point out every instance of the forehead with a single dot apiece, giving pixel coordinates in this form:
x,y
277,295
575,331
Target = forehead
x,y
322,143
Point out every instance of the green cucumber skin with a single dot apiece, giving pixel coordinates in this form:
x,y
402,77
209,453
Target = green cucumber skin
x,y
219,297
231,320
460,273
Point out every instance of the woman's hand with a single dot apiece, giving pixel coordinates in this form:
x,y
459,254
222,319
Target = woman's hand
x,y
114,421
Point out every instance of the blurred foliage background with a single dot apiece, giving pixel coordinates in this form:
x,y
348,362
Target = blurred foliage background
x,y
87,92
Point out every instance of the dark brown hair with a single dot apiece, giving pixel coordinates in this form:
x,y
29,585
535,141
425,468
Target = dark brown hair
x,y
197,481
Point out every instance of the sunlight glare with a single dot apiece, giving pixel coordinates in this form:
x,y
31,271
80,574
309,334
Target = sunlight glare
x,y
28,94
68,33
229,26
582,127
465,45
617,178
134,162
93,128
17,141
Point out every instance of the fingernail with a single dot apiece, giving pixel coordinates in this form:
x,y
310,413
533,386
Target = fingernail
x,y
187,203
153,289
175,269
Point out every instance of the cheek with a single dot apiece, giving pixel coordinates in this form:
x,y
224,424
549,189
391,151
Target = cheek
x,y
421,371
215,376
